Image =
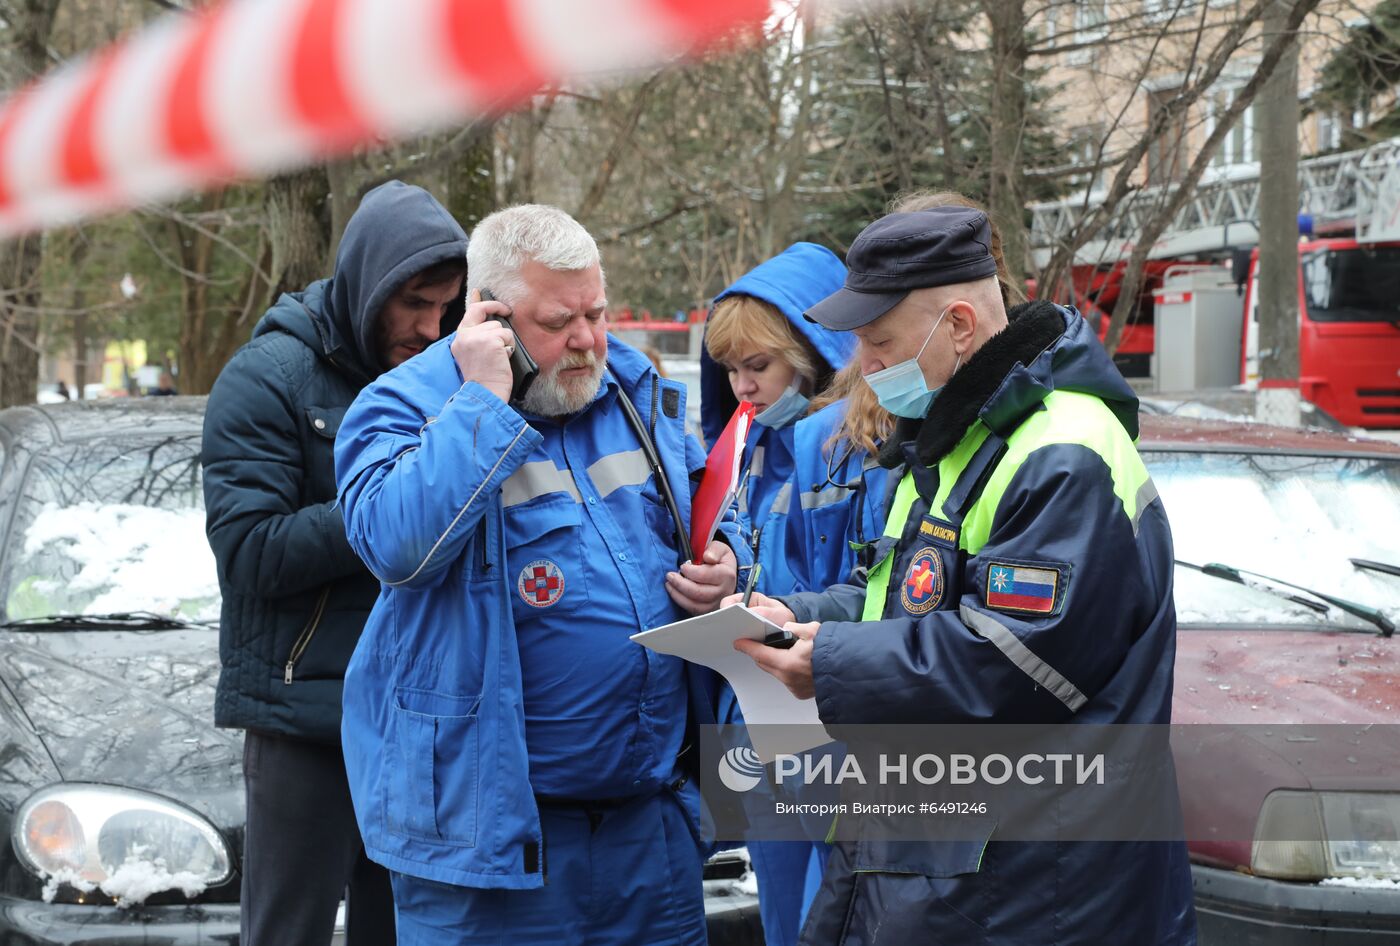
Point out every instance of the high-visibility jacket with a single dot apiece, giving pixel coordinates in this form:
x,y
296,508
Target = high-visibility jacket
x,y
1025,576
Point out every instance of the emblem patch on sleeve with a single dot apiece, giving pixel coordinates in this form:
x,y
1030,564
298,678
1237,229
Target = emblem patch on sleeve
x,y
541,583
923,582
1022,587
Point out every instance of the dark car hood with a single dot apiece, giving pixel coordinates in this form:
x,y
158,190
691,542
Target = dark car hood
x,y
129,708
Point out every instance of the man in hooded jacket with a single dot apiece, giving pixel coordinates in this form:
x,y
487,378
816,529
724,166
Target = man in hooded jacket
x,y
1025,576
295,595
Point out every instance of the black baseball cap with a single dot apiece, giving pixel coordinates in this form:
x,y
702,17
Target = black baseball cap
x,y
901,252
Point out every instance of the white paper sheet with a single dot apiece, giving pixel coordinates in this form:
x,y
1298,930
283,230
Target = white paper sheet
x,y
709,640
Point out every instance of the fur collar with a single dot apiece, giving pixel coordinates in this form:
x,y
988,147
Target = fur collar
x,y
1031,328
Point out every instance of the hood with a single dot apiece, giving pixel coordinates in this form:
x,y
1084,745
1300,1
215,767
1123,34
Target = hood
x,y
1044,348
136,711
793,281
398,230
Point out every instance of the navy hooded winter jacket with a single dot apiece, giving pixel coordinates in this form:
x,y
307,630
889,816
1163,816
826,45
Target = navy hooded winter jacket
x,y
295,595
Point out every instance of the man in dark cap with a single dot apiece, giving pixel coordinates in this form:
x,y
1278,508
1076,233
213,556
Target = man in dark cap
x,y
1026,577
295,595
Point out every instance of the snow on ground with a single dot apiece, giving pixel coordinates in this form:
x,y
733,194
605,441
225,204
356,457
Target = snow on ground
x,y
1366,883
130,558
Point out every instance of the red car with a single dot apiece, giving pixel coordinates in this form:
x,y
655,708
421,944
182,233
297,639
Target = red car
x,y
1287,591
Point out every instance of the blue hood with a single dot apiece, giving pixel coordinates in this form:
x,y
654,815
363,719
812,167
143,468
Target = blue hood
x,y
793,281
398,231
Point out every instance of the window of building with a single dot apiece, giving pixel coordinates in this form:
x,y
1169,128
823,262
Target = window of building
x,y
1091,17
1329,130
1166,157
1241,145
1084,144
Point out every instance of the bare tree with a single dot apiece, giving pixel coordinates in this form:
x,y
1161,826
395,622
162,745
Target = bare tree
x,y
30,26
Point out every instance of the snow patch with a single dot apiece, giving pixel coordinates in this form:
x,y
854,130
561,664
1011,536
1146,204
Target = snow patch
x,y
1365,883
131,884
66,876
748,883
138,879
130,558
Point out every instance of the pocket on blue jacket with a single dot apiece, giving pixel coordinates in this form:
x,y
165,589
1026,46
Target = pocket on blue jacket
x,y
433,787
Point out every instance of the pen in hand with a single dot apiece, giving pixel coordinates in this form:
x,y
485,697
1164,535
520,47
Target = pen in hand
x,y
752,583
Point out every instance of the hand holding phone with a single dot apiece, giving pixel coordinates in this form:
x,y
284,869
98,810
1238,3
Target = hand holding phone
x,y
483,347
523,369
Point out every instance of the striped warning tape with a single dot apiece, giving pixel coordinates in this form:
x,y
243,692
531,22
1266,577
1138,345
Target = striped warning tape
x,y
251,87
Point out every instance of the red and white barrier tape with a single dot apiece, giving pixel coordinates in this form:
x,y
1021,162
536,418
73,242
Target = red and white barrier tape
x,y
252,87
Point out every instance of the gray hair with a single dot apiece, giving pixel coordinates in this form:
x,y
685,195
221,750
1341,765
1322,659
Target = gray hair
x,y
505,240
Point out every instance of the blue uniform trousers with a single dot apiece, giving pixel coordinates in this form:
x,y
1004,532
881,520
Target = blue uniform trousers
x,y
629,876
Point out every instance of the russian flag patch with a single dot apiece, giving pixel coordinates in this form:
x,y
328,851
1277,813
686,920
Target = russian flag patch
x,y
1021,588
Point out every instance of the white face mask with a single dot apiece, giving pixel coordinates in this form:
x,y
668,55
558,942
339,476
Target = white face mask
x,y
785,409
902,389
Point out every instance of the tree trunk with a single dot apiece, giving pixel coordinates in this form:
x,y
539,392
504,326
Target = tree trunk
x,y
1279,400
31,23
1006,198
471,180
292,253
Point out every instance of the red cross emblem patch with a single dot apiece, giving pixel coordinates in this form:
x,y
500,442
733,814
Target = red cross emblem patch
x,y
923,583
541,583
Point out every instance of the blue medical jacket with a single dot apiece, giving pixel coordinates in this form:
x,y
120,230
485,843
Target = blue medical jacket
x,y
603,716
434,729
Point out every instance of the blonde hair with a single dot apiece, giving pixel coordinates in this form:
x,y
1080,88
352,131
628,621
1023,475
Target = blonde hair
x,y
867,424
740,324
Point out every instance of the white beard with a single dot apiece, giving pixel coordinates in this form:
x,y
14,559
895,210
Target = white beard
x,y
551,397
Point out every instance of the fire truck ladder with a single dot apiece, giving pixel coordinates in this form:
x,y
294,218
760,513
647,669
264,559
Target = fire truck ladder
x,y
1354,191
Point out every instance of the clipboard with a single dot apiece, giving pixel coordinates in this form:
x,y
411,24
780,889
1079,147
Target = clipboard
x,y
708,640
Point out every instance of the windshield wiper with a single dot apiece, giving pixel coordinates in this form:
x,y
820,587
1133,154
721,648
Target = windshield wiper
x,y
1257,581
124,620
1381,567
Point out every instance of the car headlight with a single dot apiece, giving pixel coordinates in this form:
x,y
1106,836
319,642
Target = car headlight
x,y
129,843
1316,835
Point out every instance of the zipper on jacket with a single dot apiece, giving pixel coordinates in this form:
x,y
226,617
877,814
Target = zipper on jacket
x,y
655,396
304,639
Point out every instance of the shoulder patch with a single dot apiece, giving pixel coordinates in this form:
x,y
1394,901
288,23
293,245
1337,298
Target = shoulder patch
x,y
671,402
922,590
1024,588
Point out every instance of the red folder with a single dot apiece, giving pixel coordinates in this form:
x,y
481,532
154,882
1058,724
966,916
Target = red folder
x,y
720,483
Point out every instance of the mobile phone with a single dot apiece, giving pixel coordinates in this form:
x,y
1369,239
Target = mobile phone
x,y
522,367
780,639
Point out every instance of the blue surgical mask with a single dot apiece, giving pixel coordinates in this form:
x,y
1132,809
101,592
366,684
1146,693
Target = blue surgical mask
x,y
785,409
901,389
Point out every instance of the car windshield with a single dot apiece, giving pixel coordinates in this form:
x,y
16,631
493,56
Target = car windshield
x,y
1296,518
1354,285
107,526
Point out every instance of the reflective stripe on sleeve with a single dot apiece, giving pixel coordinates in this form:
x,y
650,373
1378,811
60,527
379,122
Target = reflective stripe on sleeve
x,y
1022,656
1146,493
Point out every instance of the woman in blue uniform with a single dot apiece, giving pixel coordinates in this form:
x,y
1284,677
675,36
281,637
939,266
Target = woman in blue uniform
x,y
759,348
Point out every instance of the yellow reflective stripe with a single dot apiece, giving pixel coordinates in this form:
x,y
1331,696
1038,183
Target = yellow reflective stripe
x,y
1069,418
878,581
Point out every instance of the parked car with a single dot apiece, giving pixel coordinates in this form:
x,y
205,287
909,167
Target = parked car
x,y
1295,829
121,806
